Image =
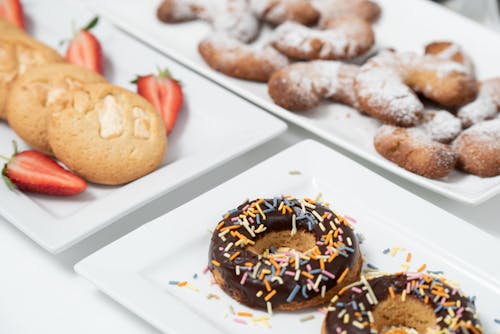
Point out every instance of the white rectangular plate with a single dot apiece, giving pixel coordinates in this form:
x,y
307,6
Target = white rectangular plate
x,y
198,144
404,25
136,269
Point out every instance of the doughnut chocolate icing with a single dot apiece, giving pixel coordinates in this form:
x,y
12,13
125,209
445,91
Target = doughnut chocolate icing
x,y
402,303
283,253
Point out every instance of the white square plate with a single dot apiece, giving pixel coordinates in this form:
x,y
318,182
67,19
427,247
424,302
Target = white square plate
x,y
404,25
136,269
198,144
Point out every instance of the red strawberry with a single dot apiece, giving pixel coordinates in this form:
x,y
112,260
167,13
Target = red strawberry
x,y
12,11
164,93
85,50
35,172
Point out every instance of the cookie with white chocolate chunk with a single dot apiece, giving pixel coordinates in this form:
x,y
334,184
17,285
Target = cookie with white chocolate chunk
x,y
38,92
108,135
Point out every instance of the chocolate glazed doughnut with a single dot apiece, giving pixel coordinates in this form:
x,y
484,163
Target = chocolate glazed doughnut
x,y
403,302
284,253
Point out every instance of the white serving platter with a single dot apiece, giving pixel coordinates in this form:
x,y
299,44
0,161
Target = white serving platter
x,y
404,25
213,127
136,270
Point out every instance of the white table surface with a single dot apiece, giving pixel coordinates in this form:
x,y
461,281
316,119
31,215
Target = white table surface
x,y
40,293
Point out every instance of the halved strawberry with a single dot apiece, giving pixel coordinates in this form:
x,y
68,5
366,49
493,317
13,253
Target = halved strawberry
x,y
35,172
164,93
85,50
12,11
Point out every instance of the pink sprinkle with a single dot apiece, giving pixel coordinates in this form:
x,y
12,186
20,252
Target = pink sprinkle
x,y
443,300
240,321
246,207
340,238
311,283
413,276
339,330
341,231
206,270
319,243
281,259
234,219
250,219
357,290
460,311
221,248
322,311
350,218
329,215
454,292
244,278
290,273
308,266
408,288
328,274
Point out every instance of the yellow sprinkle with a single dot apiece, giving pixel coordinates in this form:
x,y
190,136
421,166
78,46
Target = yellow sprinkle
x,y
344,274
267,285
244,314
234,256
270,295
408,257
391,292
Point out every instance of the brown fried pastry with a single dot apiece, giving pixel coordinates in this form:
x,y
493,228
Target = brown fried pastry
x,y
174,11
302,86
415,151
278,11
451,51
232,17
236,59
387,84
343,38
363,9
478,149
485,106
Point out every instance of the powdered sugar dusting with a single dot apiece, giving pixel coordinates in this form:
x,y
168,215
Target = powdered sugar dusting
x,y
235,18
380,84
343,41
231,49
484,107
318,76
487,132
441,125
275,11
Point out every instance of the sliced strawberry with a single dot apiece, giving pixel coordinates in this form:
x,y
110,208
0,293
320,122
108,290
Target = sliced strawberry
x,y
164,93
85,50
12,11
33,171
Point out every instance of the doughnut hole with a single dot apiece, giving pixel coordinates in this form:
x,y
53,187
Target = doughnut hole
x,y
410,313
301,241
